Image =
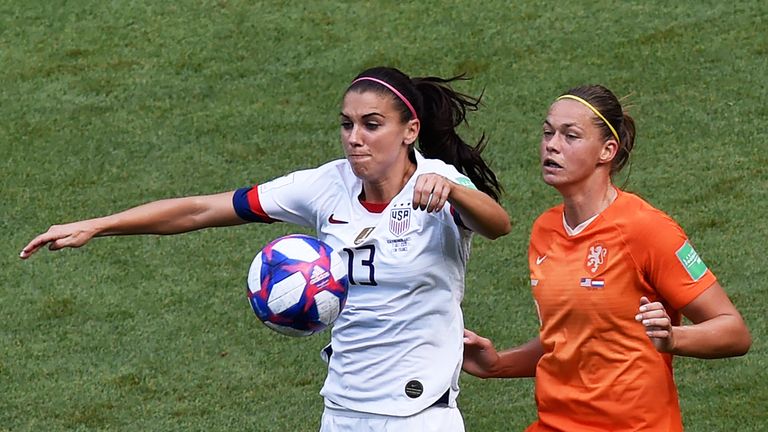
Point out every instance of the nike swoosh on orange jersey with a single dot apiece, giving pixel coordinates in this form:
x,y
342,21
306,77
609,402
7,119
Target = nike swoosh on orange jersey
x,y
332,220
540,259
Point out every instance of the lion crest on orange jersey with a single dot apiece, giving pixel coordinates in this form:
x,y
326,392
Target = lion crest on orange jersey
x,y
596,257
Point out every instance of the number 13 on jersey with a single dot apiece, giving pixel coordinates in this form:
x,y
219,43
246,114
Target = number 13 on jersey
x,y
360,268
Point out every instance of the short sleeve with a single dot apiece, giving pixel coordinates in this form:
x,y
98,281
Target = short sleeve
x,y
669,262
451,173
286,199
455,176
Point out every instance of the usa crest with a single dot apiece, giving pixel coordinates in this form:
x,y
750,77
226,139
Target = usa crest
x,y
399,220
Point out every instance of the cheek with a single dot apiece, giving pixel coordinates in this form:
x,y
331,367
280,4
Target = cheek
x,y
584,158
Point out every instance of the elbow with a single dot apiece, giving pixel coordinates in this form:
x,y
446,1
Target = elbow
x,y
740,342
745,343
500,232
507,227
504,229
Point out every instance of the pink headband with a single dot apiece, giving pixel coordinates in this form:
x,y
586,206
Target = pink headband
x,y
393,90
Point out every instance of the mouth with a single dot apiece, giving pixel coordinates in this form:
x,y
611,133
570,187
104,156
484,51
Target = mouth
x,y
550,163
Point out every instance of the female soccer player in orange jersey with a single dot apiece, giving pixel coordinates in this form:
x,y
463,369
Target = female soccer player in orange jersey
x,y
611,277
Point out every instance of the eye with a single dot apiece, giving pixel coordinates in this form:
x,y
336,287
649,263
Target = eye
x,y
372,126
548,133
346,124
572,136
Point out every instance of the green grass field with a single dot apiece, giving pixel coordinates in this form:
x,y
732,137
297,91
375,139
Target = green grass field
x,y
105,105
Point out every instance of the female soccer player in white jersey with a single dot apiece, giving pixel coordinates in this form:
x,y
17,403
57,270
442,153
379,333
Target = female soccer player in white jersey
x,y
402,217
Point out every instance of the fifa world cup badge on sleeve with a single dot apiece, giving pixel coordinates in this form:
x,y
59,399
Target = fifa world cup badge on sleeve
x,y
691,261
465,181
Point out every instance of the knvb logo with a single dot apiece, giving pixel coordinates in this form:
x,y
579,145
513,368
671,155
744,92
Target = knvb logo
x,y
399,220
596,257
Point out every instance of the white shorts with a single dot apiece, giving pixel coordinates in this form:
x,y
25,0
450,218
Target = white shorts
x,y
432,419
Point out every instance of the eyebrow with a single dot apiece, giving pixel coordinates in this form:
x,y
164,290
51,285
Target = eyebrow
x,y
567,125
364,115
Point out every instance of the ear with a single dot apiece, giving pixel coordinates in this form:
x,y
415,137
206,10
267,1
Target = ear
x,y
608,152
412,129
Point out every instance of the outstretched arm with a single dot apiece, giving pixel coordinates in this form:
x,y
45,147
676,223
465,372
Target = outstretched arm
x,y
718,329
168,216
478,211
482,360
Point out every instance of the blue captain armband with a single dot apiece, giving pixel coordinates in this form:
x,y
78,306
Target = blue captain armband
x,y
248,207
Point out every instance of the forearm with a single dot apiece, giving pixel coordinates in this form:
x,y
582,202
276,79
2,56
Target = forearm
x,y
518,362
170,216
721,336
480,212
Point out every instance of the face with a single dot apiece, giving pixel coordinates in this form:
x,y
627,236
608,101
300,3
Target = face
x,y
374,137
573,148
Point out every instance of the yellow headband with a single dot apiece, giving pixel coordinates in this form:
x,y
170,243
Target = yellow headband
x,y
594,110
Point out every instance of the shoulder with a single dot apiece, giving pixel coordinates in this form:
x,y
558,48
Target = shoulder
x,y
330,172
638,219
334,167
650,235
309,184
550,220
435,166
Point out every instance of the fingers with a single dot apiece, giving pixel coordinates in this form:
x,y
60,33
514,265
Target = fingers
x,y
470,336
657,333
36,243
58,237
663,322
472,339
431,192
657,323
653,314
648,306
68,241
659,328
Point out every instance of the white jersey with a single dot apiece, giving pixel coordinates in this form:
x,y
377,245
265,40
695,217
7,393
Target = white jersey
x,y
397,345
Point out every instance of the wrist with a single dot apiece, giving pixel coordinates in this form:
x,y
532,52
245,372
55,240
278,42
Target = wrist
x,y
99,227
494,368
671,347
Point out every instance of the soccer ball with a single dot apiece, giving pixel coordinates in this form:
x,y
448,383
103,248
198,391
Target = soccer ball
x,y
297,285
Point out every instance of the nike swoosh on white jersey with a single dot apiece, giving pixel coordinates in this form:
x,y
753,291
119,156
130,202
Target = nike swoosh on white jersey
x,y
540,259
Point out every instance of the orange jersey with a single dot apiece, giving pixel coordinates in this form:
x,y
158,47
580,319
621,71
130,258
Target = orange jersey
x,y
599,370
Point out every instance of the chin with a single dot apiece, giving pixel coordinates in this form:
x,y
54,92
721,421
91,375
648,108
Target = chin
x,y
358,171
361,171
551,179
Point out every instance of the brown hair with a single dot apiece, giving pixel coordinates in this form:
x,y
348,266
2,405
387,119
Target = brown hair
x,y
440,110
609,106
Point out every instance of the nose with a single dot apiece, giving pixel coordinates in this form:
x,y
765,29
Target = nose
x,y
354,136
552,143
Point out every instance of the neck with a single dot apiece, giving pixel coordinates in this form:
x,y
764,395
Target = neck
x,y
385,189
586,202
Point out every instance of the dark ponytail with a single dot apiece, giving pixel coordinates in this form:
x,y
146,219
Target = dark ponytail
x,y
441,110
